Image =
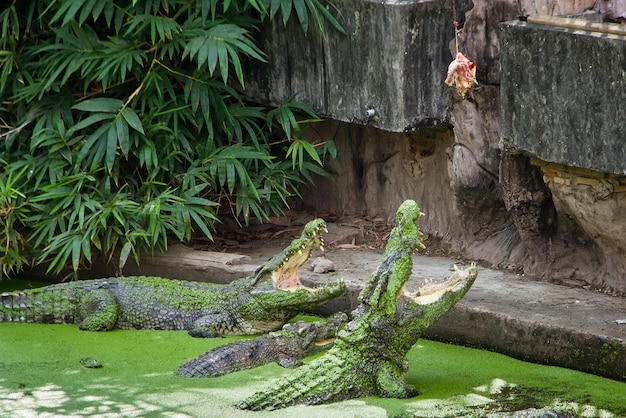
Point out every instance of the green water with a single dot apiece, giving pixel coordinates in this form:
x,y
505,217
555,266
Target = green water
x,y
40,375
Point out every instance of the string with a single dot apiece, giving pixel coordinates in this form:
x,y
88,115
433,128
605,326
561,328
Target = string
x,y
456,26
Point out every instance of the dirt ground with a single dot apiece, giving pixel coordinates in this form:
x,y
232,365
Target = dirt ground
x,y
368,234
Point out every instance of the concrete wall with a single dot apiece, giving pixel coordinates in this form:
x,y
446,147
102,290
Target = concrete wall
x,y
392,58
499,204
564,95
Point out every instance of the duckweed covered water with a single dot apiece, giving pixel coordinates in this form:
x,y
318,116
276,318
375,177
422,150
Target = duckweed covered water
x,y
41,375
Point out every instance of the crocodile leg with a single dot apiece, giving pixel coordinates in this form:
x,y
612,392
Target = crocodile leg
x,y
391,383
99,309
213,325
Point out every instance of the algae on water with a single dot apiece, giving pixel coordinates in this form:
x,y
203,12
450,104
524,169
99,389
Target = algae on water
x,y
41,374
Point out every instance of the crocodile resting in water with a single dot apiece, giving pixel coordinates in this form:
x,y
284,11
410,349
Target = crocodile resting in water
x,y
251,305
286,347
369,355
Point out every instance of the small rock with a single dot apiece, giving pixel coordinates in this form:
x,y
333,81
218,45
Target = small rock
x,y
322,265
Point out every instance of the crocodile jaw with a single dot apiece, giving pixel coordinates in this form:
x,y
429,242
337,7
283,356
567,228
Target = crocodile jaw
x,y
430,293
284,276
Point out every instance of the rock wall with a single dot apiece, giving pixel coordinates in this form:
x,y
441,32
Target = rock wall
x,y
380,169
485,200
388,61
554,86
557,244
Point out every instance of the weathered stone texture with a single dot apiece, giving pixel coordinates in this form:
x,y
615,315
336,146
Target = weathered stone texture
x,y
488,230
480,38
564,95
598,204
563,100
557,7
380,168
392,58
557,247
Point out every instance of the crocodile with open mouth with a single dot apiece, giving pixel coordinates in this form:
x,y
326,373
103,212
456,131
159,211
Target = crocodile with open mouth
x,y
368,356
260,303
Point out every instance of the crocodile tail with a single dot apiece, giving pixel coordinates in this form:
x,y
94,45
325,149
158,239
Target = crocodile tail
x,y
329,378
47,305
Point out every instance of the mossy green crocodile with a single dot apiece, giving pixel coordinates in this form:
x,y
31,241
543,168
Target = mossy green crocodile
x,y
369,355
260,303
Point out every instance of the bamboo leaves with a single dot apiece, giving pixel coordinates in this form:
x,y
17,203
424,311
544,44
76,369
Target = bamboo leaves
x,y
304,8
113,119
121,128
220,46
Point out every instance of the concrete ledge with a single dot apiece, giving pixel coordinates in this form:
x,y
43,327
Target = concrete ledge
x,y
534,341
393,59
178,262
563,93
184,263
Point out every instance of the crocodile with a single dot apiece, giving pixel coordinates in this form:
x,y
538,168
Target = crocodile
x,y
286,347
259,303
368,357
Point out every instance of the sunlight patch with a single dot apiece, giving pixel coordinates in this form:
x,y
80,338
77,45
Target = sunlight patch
x,y
585,411
156,374
49,396
31,402
92,398
495,387
25,403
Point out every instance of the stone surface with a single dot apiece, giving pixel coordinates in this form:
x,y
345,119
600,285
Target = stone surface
x,y
322,265
480,39
488,232
598,204
564,95
381,169
487,202
557,247
557,7
392,59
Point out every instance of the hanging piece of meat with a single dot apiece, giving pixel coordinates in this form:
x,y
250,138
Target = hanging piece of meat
x,y
461,74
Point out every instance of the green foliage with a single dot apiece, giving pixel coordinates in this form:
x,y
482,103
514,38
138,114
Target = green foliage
x,y
122,126
12,243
